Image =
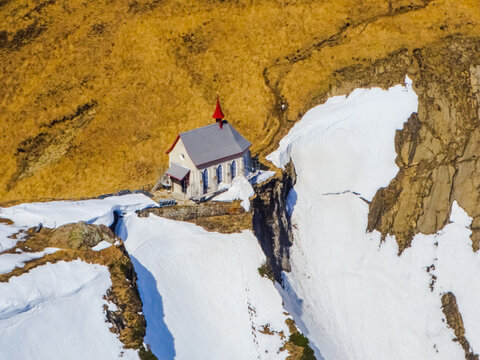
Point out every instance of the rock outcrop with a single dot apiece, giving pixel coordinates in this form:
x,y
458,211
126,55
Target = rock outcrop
x,y
271,222
437,150
193,212
455,322
81,236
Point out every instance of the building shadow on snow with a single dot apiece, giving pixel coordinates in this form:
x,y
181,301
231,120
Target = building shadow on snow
x,y
158,336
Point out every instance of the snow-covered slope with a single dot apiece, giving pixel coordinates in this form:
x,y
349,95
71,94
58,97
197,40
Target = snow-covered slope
x,y
352,295
56,312
203,296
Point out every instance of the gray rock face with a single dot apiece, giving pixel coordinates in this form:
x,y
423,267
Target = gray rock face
x,y
271,222
81,236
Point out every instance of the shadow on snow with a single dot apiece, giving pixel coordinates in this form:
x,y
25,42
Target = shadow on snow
x,y
158,336
294,305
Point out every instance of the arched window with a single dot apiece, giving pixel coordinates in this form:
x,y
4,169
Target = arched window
x,y
233,169
219,174
205,179
247,166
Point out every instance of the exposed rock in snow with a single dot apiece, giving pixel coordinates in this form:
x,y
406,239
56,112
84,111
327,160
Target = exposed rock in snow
x,y
271,220
81,236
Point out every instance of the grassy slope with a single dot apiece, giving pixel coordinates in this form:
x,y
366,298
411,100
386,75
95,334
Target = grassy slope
x,y
93,92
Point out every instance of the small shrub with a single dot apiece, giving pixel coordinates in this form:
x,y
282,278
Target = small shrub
x,y
265,270
145,354
300,340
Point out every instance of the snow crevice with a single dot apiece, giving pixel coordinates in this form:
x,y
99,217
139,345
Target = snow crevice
x,y
347,192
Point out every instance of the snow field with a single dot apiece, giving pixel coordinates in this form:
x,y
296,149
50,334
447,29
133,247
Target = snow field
x,y
203,296
352,295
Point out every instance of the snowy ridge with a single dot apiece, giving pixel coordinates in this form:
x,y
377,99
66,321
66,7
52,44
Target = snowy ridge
x,y
350,140
57,213
352,295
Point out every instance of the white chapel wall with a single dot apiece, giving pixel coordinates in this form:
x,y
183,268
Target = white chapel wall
x,y
213,183
180,156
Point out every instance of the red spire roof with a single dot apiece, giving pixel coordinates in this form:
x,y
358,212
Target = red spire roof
x,y
218,114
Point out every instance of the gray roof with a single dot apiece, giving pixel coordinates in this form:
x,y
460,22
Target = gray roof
x,y
177,171
210,143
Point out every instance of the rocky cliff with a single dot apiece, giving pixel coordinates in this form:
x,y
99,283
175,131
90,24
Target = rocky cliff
x,y
437,150
271,221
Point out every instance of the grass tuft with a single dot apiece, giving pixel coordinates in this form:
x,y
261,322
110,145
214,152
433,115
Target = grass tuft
x,y
265,270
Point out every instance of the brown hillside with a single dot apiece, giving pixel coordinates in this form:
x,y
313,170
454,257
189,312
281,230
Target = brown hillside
x,y
93,92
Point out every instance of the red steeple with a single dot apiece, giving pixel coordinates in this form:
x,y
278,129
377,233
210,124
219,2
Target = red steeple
x,y
218,114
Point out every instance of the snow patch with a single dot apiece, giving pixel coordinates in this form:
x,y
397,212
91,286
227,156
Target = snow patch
x,y
101,245
10,235
239,189
260,176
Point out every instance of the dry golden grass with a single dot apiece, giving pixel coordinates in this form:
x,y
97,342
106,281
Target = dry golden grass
x,y
226,224
152,69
